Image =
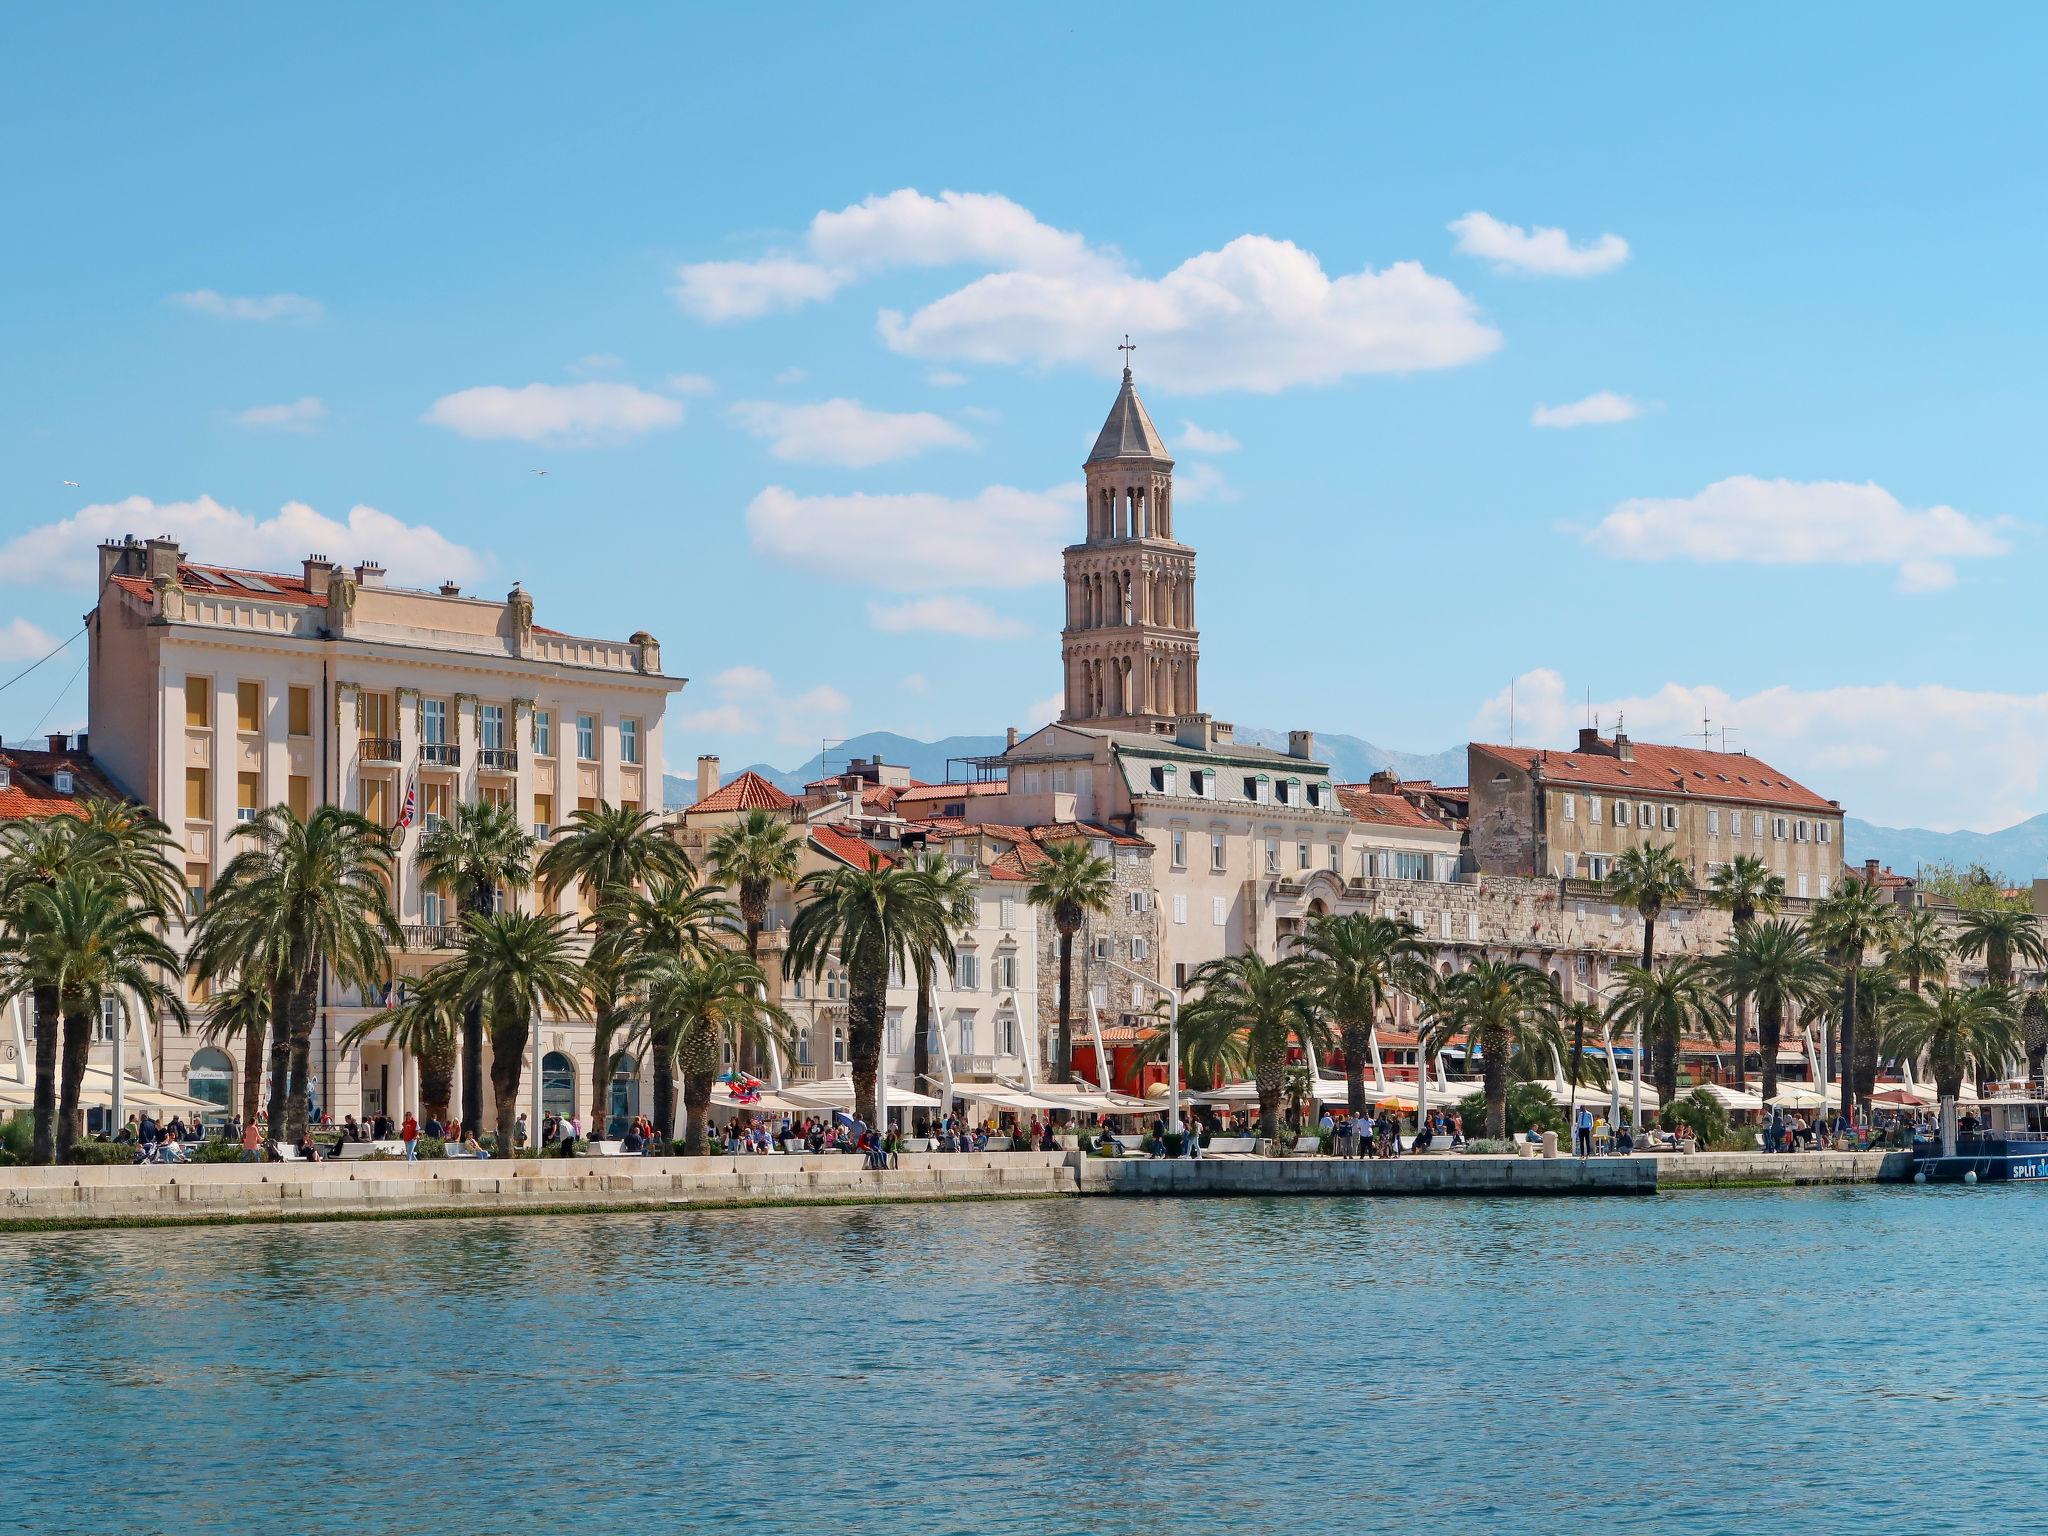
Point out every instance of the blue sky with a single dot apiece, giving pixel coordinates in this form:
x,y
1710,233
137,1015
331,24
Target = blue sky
x,y
285,261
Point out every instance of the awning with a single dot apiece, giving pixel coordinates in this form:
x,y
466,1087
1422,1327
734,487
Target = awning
x,y
768,1102
837,1093
1088,1100
1731,1098
96,1091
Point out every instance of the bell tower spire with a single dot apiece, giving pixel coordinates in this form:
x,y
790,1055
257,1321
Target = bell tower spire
x,y
1130,647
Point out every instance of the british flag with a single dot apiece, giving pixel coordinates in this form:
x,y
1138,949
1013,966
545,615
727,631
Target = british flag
x,y
405,815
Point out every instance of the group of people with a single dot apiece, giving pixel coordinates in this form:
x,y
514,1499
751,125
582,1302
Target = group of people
x,y
1378,1134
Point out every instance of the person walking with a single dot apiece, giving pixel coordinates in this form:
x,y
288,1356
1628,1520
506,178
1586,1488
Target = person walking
x,y
409,1133
1583,1140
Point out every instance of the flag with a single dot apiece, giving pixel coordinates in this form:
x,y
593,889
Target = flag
x,y
405,815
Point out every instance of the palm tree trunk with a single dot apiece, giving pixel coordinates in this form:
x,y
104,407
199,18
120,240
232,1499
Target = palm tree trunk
x,y
748,1053
1357,1042
508,1058
1741,1043
1270,1074
1847,1070
44,1146
921,1047
1667,1062
661,1045
1495,1072
253,1044
1578,1053
474,902
77,1047
305,1008
864,1039
1770,1025
697,1086
603,1029
1649,939
280,1051
1063,1048
437,1083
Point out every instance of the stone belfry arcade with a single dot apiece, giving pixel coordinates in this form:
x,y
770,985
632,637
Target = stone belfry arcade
x,y
1130,648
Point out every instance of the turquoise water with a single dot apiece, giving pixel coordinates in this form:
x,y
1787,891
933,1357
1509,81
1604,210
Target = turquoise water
x,y
1704,1362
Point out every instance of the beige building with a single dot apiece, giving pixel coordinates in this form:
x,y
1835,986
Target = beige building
x,y
215,691
1567,814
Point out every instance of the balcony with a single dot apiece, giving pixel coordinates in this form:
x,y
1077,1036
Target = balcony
x,y
440,754
497,759
433,935
380,749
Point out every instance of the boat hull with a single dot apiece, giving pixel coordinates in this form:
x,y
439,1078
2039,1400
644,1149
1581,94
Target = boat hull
x,y
1994,1160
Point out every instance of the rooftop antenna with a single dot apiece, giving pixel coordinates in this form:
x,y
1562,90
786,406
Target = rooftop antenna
x,y
1511,711
1706,730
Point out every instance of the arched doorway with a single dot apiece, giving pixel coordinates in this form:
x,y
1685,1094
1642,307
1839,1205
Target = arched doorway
x,y
212,1077
557,1085
625,1104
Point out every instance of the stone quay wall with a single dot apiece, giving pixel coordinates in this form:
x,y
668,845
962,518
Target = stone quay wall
x,y
1444,1175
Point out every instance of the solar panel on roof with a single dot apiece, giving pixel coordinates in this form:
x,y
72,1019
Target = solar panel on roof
x,y
253,583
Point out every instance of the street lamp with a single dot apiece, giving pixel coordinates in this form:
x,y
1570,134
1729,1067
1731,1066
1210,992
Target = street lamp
x,y
1172,1043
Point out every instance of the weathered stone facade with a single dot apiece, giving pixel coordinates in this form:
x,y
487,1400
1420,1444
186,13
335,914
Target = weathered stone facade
x,y
1130,932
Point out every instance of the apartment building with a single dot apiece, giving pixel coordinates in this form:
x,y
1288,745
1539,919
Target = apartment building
x,y
215,691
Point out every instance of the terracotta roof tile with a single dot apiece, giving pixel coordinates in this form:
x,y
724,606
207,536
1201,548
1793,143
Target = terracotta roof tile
x,y
845,847
748,792
1660,770
218,579
1385,810
31,793
922,794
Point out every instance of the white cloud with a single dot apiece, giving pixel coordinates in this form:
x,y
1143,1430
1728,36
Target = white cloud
x,y
1045,711
749,702
945,614
1259,314
300,415
1202,482
1542,252
746,290
1597,410
845,432
22,641
566,414
1748,520
919,541
690,384
945,378
1201,440
270,306
63,554
1898,754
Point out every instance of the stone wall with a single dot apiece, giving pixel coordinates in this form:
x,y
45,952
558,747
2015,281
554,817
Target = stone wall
x,y
1120,925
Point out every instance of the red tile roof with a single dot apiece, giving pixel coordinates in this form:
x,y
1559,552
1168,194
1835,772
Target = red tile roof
x,y
1660,770
31,792
845,847
216,579
1385,810
748,792
923,794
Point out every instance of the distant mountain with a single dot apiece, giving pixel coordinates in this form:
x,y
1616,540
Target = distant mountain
x,y
2017,854
1351,759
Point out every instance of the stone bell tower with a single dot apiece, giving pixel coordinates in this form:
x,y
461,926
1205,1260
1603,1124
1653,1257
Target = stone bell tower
x,y
1130,648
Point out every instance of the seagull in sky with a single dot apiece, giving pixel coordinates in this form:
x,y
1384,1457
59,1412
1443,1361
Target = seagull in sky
x,y
72,483
536,471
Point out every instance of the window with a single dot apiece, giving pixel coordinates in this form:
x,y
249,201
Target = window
x,y
1102,947
431,903
1800,830
1163,777
1216,865
1180,908
1141,902
1646,815
1593,809
892,1033
1007,912
1802,885
1756,829
1670,818
967,971
376,801
248,791
1301,856
490,727
299,711
248,706
543,815
1272,855
1827,834
1571,865
1003,973
63,781
1596,869
434,804
1443,925
434,722
1336,857
1571,804
211,1077
1411,866
379,718
1180,850
1621,813
629,741
1141,949
1823,886
1202,782
1713,823
1006,1034
966,1034
197,878
586,738
199,702
195,795
1778,829
543,733
1219,911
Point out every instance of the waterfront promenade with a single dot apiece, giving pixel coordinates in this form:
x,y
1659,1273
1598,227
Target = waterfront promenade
x,y
92,1196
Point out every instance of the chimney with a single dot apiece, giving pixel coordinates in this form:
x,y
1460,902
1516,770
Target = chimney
x,y
1301,744
60,743
1870,868
1010,737
369,574
707,775
161,556
318,569
78,744
1383,782
1623,748
451,589
1589,738
122,557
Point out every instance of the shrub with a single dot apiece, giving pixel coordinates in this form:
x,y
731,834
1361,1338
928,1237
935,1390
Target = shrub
x,y
431,1148
1701,1113
17,1139
217,1151
1176,1143
1530,1108
101,1154
1484,1145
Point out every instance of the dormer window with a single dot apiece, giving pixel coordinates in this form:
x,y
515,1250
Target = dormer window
x,y
62,781
6,775
1163,777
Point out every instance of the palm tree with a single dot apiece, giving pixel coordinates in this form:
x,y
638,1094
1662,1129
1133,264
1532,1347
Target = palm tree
x,y
873,919
607,852
516,964
750,858
1354,963
1775,968
428,1026
673,923
692,1005
1744,887
304,894
1879,996
1072,882
87,939
1854,919
242,1008
1245,1015
952,902
1664,1003
1581,1015
479,851
1649,877
2003,935
1499,1008
1919,949
1953,1027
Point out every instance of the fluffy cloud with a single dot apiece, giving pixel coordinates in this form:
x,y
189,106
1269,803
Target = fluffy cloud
x,y
1201,440
945,615
945,378
1541,252
1259,314
22,641
690,384
564,414
1747,520
1921,755
748,701
270,306
919,541
64,553
845,432
1202,482
1597,410
300,415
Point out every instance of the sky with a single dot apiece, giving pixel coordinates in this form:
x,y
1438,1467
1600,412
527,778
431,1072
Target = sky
x,y
1520,366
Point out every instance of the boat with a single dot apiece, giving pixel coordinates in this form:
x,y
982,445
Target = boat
x,y
2004,1140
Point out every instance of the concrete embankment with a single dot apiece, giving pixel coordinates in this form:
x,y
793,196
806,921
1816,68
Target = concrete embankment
x,y
1442,1175
1724,1170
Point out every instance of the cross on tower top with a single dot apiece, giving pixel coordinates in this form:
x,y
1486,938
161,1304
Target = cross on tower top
x,y
1127,349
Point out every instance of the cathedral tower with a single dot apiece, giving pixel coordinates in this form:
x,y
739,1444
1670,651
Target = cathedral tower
x,y
1129,646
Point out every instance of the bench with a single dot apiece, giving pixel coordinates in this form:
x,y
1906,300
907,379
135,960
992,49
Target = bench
x,y
1230,1146
349,1151
596,1148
